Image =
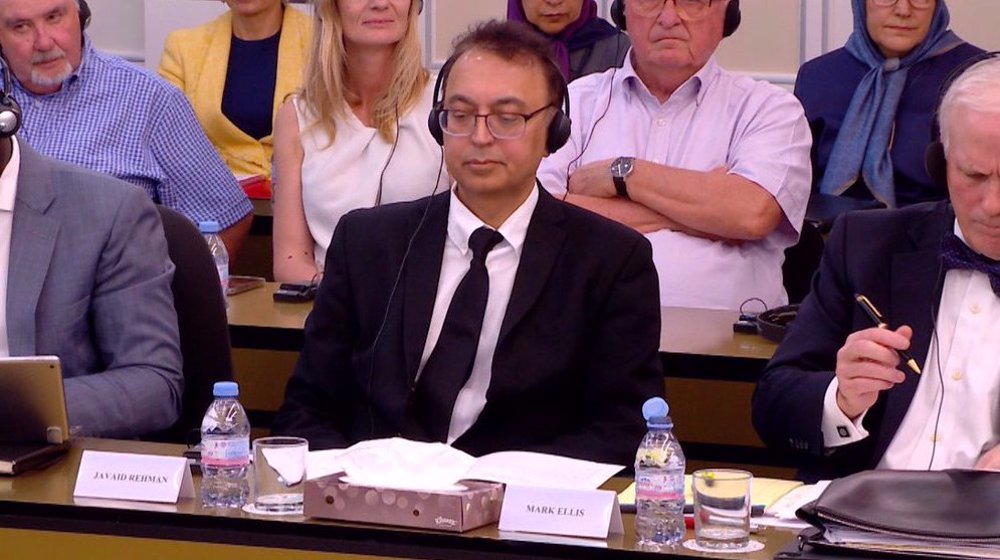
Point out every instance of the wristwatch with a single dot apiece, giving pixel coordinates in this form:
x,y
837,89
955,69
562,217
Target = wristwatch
x,y
620,169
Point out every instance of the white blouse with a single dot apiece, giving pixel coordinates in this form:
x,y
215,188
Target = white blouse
x,y
343,175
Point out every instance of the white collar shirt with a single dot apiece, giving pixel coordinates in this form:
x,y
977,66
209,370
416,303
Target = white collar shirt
x,y
501,264
8,195
961,377
714,120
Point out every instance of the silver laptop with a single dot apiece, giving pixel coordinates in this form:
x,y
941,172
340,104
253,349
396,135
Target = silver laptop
x,y
34,409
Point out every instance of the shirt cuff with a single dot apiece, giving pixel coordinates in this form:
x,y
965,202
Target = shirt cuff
x,y
838,429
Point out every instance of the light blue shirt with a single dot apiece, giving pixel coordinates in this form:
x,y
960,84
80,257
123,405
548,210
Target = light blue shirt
x,y
117,118
715,119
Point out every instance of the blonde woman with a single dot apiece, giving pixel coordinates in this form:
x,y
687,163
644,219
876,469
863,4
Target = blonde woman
x,y
236,71
356,135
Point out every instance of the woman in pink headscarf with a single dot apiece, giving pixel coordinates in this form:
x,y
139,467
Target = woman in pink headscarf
x,y
582,42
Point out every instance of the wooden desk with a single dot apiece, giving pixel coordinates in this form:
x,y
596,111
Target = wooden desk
x,y
257,321
710,374
39,518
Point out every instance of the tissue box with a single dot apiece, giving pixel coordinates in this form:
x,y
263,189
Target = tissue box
x,y
458,511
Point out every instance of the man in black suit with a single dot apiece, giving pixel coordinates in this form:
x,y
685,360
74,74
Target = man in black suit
x,y
563,351
836,390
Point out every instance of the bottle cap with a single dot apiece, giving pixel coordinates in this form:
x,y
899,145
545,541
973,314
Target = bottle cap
x,y
209,227
225,389
656,412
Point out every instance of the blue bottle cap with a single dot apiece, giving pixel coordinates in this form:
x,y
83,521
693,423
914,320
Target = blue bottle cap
x,y
656,412
225,389
209,227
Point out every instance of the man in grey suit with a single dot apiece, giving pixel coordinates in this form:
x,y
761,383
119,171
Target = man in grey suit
x,y
84,265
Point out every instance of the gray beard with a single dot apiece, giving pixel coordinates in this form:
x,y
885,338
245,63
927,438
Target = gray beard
x,y
48,80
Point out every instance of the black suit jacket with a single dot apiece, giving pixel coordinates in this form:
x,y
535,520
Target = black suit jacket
x,y
576,357
894,258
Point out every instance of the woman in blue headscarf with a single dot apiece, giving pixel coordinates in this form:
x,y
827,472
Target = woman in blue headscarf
x,y
582,42
871,104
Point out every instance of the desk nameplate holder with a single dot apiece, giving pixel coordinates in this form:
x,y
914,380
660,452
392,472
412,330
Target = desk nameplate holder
x,y
553,511
133,477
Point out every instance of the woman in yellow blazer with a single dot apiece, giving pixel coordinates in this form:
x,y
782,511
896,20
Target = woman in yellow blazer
x,y
219,68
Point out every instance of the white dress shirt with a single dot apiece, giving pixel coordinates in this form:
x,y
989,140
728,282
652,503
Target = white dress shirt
x,y
714,120
966,345
501,264
8,192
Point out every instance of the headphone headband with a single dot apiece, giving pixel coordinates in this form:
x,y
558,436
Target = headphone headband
x,y
559,128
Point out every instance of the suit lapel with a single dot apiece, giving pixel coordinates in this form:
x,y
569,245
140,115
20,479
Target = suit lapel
x,y
33,238
541,247
420,280
917,282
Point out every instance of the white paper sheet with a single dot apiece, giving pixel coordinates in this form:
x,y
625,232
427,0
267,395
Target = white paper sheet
x,y
525,468
410,465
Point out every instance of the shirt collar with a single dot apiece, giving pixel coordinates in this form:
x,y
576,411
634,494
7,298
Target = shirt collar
x,y
462,222
695,86
8,179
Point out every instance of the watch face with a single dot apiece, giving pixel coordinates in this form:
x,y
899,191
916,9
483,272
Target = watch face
x,y
621,167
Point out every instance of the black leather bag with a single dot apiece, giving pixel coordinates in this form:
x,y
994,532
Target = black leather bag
x,y
942,508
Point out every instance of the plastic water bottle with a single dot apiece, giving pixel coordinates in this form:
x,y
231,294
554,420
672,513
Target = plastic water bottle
x,y
225,450
218,249
659,480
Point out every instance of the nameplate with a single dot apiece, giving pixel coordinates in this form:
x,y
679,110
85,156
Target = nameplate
x,y
576,513
128,476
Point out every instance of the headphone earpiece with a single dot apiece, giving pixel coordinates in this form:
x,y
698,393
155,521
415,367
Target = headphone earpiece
x,y
84,14
618,14
935,159
732,22
935,163
558,131
10,111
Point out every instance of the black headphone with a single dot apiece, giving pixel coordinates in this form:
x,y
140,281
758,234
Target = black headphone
x,y
732,22
559,128
10,111
935,161
84,14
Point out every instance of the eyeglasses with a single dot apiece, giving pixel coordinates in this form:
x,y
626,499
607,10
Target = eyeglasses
x,y
918,4
504,125
688,10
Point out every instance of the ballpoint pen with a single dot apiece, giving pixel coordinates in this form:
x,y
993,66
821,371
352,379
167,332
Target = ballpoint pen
x,y
880,322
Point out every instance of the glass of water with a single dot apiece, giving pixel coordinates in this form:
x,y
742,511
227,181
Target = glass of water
x,y
722,508
279,474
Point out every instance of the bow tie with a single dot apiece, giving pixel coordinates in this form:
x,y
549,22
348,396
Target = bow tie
x,y
955,254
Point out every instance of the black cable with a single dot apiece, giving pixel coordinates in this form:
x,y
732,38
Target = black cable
x,y
937,359
392,151
607,107
392,294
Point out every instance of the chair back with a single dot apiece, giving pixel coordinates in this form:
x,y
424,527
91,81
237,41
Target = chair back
x,y
802,261
201,321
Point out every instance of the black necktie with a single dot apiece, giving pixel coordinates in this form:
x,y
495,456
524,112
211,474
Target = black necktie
x,y
450,363
956,254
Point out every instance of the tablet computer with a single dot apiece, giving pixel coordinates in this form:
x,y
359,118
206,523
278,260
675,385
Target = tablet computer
x,y
34,425
35,410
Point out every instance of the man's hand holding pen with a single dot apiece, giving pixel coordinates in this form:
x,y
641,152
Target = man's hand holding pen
x,y
867,364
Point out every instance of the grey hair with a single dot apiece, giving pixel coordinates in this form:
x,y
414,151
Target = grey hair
x,y
977,89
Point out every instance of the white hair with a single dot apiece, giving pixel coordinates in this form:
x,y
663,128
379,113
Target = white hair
x,y
976,89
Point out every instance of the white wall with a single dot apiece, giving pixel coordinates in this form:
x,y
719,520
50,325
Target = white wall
x,y
775,38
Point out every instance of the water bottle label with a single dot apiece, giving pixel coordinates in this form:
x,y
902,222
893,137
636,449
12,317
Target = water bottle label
x,y
658,487
225,452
